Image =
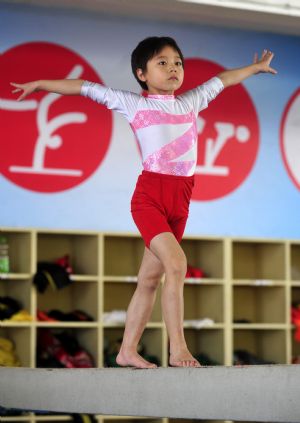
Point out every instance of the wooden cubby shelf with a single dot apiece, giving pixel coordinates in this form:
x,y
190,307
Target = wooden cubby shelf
x,y
241,303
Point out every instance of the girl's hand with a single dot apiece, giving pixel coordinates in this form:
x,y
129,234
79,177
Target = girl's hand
x,y
27,88
264,62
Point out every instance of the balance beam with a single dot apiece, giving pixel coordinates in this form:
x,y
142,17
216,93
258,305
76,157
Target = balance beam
x,y
266,393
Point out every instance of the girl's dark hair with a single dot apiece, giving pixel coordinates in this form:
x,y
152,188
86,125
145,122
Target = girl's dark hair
x,y
148,48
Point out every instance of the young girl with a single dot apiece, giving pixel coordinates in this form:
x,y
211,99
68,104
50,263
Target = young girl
x,y
165,127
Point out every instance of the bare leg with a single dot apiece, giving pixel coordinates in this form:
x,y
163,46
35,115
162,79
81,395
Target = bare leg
x,y
139,311
168,250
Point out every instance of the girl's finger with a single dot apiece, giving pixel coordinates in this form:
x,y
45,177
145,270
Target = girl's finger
x,y
271,70
16,90
270,58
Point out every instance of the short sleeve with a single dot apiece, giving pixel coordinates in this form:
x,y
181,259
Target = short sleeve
x,y
199,97
124,102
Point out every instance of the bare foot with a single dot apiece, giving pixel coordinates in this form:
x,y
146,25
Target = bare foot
x,y
183,358
133,359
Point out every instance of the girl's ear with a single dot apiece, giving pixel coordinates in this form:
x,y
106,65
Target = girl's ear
x,y
140,74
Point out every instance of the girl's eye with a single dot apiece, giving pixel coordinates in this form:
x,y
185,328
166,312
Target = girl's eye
x,y
164,62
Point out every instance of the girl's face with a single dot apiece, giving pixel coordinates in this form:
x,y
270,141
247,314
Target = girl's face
x,y
164,73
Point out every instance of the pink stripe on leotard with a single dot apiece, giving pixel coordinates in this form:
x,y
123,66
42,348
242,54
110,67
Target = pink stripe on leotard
x,y
161,158
156,117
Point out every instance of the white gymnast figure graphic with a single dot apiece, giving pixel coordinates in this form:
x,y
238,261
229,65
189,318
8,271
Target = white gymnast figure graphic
x,y
46,130
225,131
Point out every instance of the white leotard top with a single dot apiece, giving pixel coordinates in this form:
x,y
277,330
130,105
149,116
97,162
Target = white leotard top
x,y
164,125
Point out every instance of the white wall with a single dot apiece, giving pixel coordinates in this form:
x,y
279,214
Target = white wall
x,y
259,194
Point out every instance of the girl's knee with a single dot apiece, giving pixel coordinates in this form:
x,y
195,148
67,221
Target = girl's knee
x,y
169,252
177,266
149,281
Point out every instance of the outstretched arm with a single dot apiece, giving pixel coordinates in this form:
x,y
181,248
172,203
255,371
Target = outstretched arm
x,y
59,86
235,76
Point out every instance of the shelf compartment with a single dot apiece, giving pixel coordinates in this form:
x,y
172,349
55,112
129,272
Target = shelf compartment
x,y
20,337
206,341
258,260
259,304
206,301
265,344
19,251
76,296
151,339
295,262
206,254
122,255
19,290
117,296
82,249
87,339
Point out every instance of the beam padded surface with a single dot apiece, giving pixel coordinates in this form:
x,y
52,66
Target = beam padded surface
x,y
254,393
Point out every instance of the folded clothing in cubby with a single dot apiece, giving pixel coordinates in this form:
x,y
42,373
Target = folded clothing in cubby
x,y
8,307
61,350
11,309
52,274
60,316
8,356
295,318
115,316
195,272
244,357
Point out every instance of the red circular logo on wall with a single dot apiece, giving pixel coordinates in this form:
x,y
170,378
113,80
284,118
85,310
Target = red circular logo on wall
x,y
289,138
228,134
51,142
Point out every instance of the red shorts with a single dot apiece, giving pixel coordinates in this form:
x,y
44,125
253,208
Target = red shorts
x,y
160,203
